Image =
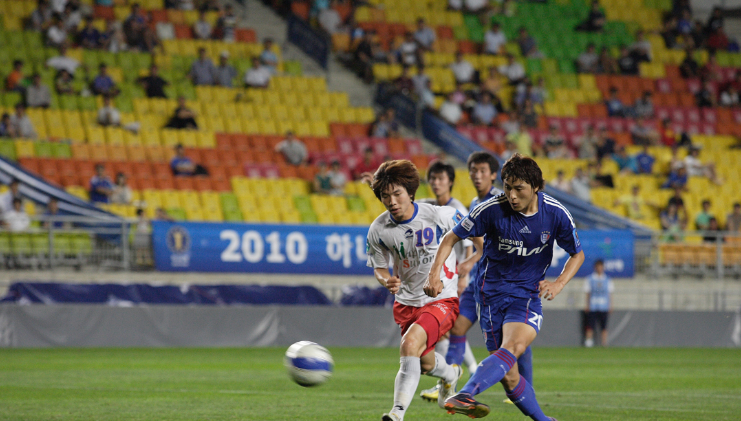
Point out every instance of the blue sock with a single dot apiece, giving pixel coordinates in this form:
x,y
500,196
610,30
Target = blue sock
x,y
456,348
525,365
490,372
523,396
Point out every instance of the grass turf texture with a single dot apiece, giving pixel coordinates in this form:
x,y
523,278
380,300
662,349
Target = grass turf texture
x,y
251,384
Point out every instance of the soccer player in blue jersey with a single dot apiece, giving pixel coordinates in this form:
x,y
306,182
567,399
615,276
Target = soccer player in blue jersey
x,y
520,226
598,287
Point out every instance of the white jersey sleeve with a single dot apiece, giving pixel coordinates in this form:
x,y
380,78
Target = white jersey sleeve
x,y
378,254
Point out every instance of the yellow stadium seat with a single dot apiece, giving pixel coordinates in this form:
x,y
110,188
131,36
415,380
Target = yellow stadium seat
x,y
322,99
339,99
303,128
347,115
245,110
114,135
215,124
233,125
228,110
250,126
289,99
263,112
284,126
365,115
187,138
279,112
24,149
95,135
313,113
296,113
267,127
169,137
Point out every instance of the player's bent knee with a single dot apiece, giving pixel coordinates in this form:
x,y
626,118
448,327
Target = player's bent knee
x,y
517,348
461,326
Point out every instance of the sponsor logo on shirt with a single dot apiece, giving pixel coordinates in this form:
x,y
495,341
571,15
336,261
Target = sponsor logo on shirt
x,y
467,223
516,247
525,230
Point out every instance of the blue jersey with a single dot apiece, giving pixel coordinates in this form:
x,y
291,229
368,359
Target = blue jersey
x,y
99,183
518,249
475,202
599,289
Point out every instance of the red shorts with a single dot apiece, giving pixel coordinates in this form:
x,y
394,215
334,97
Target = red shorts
x,y
439,317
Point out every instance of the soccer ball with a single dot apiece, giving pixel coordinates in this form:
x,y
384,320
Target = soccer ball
x,y
308,364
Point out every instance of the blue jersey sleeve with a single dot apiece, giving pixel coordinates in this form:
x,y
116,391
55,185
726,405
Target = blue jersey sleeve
x,y
474,224
566,235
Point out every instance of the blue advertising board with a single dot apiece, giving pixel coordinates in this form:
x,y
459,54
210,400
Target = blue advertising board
x,y
323,249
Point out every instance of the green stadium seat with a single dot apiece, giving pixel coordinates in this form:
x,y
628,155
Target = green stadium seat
x,y
63,244
40,243
460,33
229,202
61,150
11,98
233,215
303,204
308,218
355,204
43,149
5,246
82,244
87,103
7,149
177,213
293,68
21,244
68,102
566,66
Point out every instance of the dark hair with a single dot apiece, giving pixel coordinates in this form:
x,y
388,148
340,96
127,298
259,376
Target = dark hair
x,y
13,181
400,172
438,167
139,212
599,262
706,201
520,167
17,200
483,157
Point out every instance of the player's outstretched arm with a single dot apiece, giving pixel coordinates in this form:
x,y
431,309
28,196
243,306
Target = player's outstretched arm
x,y
434,285
383,276
550,289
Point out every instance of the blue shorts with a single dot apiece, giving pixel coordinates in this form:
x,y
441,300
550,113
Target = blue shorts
x,y
494,316
468,304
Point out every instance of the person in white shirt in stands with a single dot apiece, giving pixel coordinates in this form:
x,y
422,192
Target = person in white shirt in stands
x,y
56,35
108,115
258,76
293,149
408,51
695,167
337,179
494,39
16,219
21,123
463,70
330,20
424,35
6,199
202,29
62,61
513,70
560,182
451,111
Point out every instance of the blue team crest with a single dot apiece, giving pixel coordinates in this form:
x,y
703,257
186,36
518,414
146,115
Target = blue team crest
x,y
545,236
178,239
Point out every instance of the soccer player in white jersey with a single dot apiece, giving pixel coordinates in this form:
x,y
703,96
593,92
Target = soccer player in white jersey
x,y
521,227
409,233
441,178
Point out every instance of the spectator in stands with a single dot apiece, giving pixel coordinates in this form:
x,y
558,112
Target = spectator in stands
x,y
493,82
293,150
63,83
225,72
528,45
605,145
644,106
711,236
642,47
14,80
684,20
426,97
408,53
643,134
528,115
705,97
330,20
666,134
670,33
22,125
121,191
63,62
268,56
258,76
634,203
672,224
89,36
16,219
367,165
202,70
424,35
404,83
598,179
108,115
113,38
484,112
521,139
103,84
6,128
101,186
677,198
588,144
420,80
627,62
595,20
463,70
494,39
337,179
142,238
588,61
615,107
451,111
607,63
322,180
183,117
201,28
182,166
52,211
6,199
677,179
513,70
689,67
56,35
364,57
626,163
729,97
72,17
385,125
581,186
226,25
560,182
41,17
539,94
154,85
711,71
702,220
733,220
161,214
134,28
510,148
695,167
38,94
554,146
644,161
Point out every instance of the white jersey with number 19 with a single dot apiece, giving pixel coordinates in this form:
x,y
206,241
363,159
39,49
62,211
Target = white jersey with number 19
x,y
412,244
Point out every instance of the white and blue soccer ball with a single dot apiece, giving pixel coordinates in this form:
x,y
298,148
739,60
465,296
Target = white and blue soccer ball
x,y
308,364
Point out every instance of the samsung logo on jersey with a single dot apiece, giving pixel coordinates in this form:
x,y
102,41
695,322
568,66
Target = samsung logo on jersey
x,y
520,250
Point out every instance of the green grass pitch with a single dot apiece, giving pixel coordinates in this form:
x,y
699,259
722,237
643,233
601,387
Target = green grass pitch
x,y
251,384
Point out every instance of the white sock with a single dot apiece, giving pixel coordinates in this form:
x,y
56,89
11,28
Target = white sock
x,y
469,360
442,369
442,346
406,384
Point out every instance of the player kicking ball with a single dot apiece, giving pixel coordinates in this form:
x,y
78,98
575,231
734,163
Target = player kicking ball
x,y
409,233
520,227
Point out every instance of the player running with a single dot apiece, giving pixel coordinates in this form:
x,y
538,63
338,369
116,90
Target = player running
x,y
520,227
409,233
441,178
